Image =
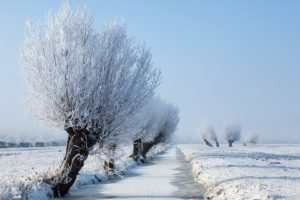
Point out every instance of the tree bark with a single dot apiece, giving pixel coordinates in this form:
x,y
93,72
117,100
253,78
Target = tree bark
x,y
230,143
136,150
207,143
145,148
78,146
67,146
217,144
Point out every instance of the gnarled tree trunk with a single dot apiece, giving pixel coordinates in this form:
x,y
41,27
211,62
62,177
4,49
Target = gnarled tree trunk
x,y
145,148
207,143
136,150
78,147
70,134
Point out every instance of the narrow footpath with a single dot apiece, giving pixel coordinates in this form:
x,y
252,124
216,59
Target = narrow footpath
x,y
168,176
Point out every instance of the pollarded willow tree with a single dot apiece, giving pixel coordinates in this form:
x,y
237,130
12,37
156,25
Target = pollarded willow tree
x,y
85,82
232,134
160,122
150,116
208,134
251,139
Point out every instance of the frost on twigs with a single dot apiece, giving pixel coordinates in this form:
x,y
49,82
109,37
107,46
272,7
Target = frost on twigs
x,y
31,187
90,83
76,76
160,123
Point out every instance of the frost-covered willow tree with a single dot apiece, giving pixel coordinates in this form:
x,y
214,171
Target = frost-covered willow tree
x,y
251,139
149,116
86,82
232,134
208,134
160,122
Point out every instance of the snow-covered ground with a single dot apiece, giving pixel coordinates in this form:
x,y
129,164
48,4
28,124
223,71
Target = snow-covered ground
x,y
21,170
167,176
252,172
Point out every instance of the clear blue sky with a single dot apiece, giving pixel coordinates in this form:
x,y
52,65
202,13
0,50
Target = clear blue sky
x,y
222,61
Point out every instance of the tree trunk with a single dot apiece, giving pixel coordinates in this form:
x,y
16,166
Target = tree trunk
x,y
67,147
207,143
136,150
145,148
109,164
230,143
217,144
78,146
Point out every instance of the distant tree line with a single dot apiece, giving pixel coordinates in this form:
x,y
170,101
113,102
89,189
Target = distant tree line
x,y
232,133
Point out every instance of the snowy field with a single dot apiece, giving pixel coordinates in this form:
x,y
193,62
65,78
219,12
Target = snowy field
x,y
21,170
253,172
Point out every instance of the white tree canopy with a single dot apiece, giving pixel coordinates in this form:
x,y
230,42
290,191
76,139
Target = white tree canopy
x,y
171,120
158,117
251,139
232,133
208,133
78,77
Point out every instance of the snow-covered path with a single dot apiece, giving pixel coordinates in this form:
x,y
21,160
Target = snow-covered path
x,y
168,176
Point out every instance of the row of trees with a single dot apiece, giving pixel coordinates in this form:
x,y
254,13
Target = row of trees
x,y
159,126
97,86
231,134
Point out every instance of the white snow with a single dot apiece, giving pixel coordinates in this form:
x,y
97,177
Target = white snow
x,y
21,170
164,177
252,172
144,181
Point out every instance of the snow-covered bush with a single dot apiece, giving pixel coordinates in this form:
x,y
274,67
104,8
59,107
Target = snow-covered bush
x,y
85,82
232,134
208,134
